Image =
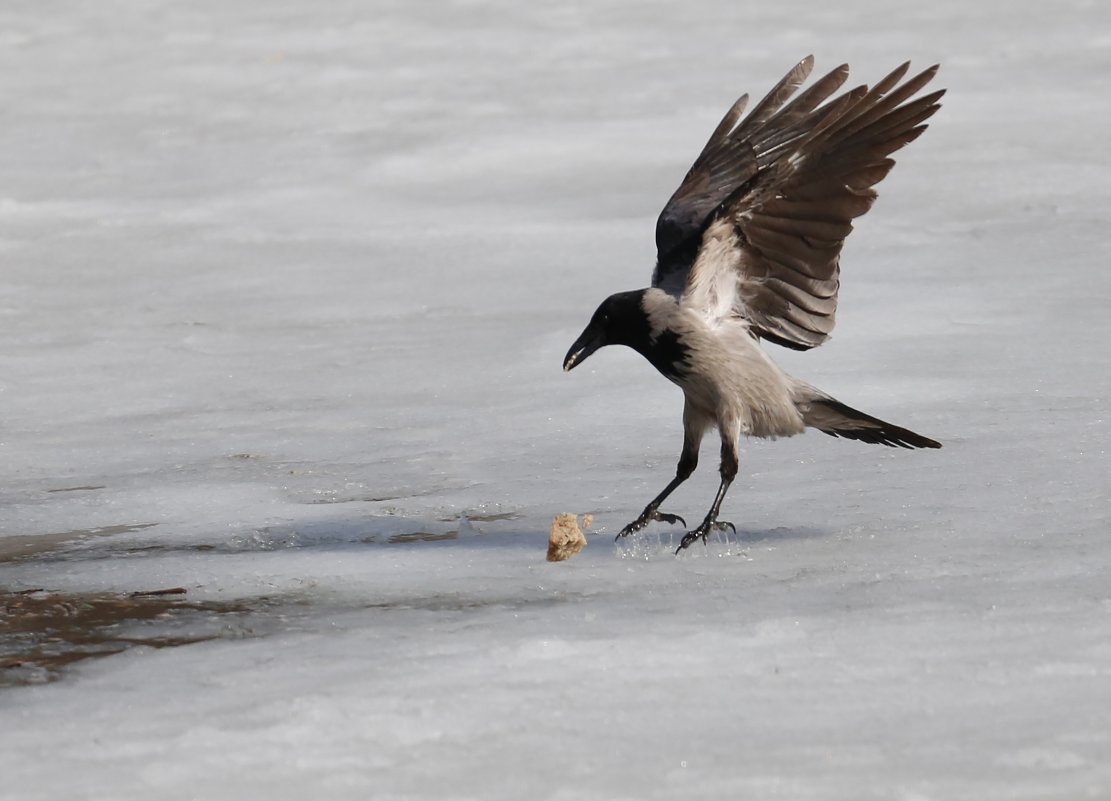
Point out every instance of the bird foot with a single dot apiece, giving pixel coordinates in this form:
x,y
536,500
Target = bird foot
x,y
703,531
646,517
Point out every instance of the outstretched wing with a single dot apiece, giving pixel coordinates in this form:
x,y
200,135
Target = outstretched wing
x,y
789,179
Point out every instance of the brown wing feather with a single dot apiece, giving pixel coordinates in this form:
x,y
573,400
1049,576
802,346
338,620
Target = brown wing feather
x,y
793,218
773,101
728,162
790,177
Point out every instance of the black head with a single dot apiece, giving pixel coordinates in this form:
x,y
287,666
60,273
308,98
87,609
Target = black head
x,y
620,320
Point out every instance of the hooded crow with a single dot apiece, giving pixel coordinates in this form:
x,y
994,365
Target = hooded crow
x,y
748,249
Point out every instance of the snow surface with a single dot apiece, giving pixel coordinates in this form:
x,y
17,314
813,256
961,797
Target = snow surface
x,y
285,281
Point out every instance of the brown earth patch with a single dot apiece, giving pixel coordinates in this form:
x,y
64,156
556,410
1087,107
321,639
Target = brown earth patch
x,y
41,633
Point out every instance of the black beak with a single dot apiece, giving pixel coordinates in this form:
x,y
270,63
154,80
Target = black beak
x,y
588,342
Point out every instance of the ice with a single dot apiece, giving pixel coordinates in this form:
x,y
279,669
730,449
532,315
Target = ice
x,y
285,294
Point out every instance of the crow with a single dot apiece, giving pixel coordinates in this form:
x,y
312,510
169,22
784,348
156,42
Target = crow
x,y
748,249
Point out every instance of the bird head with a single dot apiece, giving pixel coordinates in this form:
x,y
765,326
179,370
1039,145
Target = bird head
x,y
620,320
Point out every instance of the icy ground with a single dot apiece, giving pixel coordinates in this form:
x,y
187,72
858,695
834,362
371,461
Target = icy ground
x,y
285,288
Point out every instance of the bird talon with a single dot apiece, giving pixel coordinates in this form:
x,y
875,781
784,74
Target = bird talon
x,y
688,538
647,517
703,531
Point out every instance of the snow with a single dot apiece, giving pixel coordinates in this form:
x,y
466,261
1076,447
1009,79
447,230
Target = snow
x,y
288,285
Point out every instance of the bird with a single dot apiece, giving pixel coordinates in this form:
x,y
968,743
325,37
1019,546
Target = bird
x,y
748,252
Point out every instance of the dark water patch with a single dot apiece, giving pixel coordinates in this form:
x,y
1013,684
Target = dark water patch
x,y
782,533
482,518
326,497
42,633
155,548
25,546
472,603
423,536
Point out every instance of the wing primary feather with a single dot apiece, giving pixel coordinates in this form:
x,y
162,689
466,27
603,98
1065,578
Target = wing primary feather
x,y
789,178
905,116
815,95
779,94
876,107
833,115
887,82
725,126
809,128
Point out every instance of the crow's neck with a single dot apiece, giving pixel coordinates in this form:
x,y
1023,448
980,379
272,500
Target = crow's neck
x,y
643,328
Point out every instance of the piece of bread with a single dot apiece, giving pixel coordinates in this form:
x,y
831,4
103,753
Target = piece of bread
x,y
565,538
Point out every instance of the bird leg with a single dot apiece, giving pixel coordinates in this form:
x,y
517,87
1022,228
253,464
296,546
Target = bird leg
x,y
729,465
652,511
688,460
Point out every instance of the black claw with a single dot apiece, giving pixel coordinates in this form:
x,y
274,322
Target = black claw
x,y
703,531
688,538
647,517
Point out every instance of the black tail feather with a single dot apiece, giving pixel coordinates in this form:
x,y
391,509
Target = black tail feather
x,y
838,420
